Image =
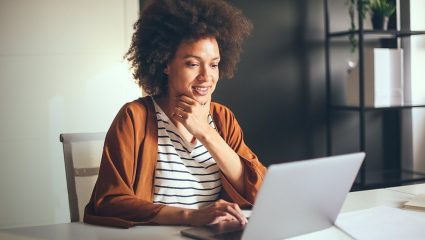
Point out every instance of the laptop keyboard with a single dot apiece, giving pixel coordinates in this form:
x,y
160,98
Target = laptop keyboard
x,y
235,235
225,230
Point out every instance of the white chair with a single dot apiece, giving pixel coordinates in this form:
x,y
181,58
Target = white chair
x,y
82,154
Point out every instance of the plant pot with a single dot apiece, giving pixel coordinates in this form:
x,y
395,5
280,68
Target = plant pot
x,y
379,21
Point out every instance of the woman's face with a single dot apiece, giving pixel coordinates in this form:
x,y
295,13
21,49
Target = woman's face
x,y
194,70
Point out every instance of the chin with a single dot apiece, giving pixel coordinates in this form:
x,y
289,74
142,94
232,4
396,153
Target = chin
x,y
202,99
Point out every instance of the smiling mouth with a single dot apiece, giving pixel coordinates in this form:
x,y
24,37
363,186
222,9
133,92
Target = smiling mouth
x,y
201,90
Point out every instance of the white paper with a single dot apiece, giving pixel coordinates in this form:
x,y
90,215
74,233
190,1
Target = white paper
x,y
383,223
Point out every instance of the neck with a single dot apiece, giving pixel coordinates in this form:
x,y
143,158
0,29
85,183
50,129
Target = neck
x,y
165,103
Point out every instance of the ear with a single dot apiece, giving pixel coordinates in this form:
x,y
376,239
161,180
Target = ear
x,y
167,70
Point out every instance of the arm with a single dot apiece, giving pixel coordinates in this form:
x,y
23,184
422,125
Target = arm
x,y
213,213
123,191
253,175
227,159
242,172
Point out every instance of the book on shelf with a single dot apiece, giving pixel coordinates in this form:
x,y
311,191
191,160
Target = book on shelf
x,y
383,79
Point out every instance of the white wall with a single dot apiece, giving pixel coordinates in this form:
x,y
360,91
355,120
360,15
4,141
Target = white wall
x,y
61,71
417,22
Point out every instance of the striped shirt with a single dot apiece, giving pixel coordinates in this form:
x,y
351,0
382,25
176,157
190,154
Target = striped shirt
x,y
186,175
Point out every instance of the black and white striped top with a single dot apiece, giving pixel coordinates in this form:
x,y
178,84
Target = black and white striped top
x,y
186,175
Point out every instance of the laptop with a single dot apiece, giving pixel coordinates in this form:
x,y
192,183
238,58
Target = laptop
x,y
295,198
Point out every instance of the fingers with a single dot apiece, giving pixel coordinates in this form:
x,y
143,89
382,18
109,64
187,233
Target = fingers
x,y
192,101
186,99
220,211
185,106
232,209
182,109
226,218
239,210
180,113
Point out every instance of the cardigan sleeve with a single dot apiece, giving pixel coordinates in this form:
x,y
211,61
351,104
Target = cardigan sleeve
x,y
114,201
254,171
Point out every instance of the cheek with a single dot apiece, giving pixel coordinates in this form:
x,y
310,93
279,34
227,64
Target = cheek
x,y
214,86
216,77
180,79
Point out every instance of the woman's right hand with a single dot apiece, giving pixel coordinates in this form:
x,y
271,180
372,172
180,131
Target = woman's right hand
x,y
218,211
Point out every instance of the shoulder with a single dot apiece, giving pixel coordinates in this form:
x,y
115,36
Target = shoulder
x,y
219,110
133,117
139,107
136,112
223,117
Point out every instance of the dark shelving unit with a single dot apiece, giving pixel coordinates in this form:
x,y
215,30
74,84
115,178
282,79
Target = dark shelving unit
x,y
366,179
379,33
354,108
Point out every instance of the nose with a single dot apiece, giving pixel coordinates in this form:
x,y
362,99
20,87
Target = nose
x,y
204,73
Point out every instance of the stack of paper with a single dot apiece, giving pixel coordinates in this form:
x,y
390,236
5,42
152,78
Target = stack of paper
x,y
383,223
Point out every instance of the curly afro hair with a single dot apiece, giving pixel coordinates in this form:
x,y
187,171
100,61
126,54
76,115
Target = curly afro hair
x,y
165,24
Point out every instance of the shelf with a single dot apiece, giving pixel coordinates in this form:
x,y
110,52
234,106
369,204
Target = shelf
x,y
390,178
377,33
391,127
356,108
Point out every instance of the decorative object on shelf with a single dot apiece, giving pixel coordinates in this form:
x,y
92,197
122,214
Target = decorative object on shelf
x,y
352,6
351,63
383,79
381,11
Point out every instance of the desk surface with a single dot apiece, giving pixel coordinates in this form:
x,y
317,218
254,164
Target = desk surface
x,y
415,189
68,231
393,197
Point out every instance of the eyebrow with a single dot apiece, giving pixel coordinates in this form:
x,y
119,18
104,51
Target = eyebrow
x,y
197,57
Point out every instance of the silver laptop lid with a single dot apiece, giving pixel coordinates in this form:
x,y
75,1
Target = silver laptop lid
x,y
302,197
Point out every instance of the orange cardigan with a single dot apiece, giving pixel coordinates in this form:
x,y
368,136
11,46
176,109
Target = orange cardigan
x,y
122,196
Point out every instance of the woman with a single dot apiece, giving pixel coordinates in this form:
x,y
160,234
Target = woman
x,y
175,157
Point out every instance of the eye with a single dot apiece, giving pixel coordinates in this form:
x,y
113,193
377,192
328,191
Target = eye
x,y
192,64
214,65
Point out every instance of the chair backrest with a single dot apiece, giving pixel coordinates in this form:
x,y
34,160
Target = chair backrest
x,y
82,154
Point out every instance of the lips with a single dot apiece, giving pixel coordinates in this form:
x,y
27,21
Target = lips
x,y
201,90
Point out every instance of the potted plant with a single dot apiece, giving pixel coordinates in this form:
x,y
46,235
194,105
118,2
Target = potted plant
x,y
381,11
353,6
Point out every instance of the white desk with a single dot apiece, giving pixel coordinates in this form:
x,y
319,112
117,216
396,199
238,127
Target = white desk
x,y
415,189
373,198
393,197
357,201
81,231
